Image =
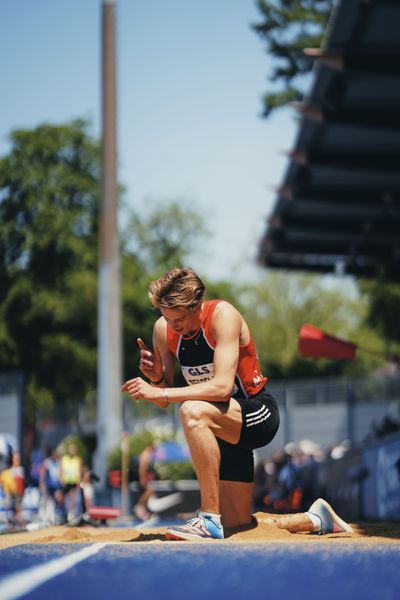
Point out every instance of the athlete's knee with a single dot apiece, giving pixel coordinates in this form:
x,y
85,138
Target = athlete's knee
x,y
192,414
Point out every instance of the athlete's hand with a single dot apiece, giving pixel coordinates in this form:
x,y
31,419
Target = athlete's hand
x,y
150,362
139,389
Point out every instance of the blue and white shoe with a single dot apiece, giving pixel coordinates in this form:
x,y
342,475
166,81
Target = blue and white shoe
x,y
205,526
330,521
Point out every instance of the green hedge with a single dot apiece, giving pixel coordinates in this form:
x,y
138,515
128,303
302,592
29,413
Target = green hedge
x,y
166,471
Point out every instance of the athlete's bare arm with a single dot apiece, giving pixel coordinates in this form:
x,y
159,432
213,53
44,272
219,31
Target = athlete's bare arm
x,y
227,325
160,342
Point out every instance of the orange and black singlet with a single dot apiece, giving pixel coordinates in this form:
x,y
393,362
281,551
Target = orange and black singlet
x,y
196,357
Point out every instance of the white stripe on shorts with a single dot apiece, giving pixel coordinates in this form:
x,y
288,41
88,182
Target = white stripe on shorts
x,y
257,414
259,420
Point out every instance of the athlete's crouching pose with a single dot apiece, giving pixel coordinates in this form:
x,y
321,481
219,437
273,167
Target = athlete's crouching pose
x,y
226,410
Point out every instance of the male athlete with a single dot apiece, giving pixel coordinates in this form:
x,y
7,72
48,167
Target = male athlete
x,y
226,411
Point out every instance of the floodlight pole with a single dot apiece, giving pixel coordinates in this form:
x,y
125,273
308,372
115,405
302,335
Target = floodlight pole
x,y
109,371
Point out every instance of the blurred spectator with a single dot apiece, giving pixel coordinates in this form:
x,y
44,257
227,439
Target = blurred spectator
x,y
51,488
311,455
146,474
288,481
283,492
289,476
12,482
87,487
71,474
7,446
386,427
37,458
339,450
272,491
260,485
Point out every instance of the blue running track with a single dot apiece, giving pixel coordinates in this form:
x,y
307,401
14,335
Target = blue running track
x,y
187,571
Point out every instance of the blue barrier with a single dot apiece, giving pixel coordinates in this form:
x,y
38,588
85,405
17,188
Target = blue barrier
x,y
365,483
381,489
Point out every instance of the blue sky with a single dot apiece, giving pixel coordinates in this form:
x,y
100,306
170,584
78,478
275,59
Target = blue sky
x,y
190,80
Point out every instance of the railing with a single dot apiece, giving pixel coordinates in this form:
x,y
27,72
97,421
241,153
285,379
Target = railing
x,y
328,390
329,410
326,410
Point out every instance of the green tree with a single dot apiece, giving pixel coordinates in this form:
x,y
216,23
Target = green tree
x,y
49,191
383,301
287,28
277,307
166,236
49,198
137,443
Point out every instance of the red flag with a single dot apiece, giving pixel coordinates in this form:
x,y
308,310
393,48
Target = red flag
x,y
313,342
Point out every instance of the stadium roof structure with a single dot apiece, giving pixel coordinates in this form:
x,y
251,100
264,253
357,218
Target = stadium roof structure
x,y
338,207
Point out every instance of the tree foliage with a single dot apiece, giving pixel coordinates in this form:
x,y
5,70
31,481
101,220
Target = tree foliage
x,y
383,300
287,28
166,235
48,253
49,198
171,471
277,308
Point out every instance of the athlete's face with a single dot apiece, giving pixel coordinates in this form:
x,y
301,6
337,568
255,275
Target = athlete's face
x,y
182,321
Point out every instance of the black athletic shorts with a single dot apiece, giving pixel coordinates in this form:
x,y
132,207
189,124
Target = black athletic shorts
x,y
260,422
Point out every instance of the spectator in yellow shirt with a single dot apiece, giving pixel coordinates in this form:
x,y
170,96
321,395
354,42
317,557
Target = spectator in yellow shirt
x,y
12,482
71,475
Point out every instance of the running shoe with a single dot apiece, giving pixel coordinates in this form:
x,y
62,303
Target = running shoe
x,y
141,513
205,526
330,521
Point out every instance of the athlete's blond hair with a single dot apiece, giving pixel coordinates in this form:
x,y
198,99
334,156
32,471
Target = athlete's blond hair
x,y
178,288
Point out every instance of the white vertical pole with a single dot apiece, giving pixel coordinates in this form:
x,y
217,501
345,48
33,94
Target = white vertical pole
x,y
125,473
109,371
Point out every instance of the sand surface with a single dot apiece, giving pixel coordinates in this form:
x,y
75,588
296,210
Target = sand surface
x,y
365,534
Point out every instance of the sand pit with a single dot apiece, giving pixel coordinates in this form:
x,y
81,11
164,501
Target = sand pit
x,y
364,534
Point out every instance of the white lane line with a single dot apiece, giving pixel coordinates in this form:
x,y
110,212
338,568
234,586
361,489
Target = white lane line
x,y
23,582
